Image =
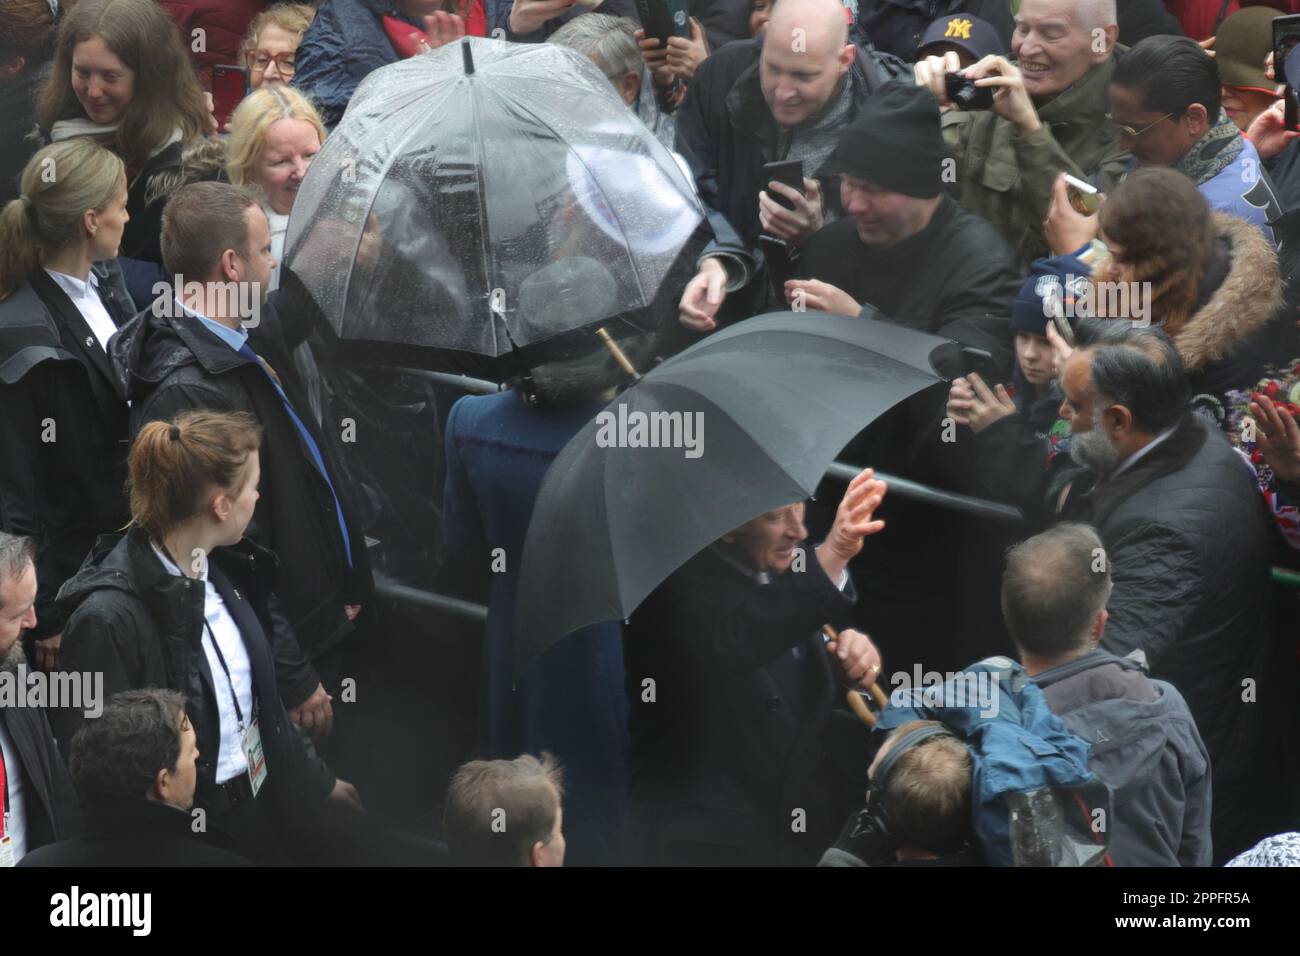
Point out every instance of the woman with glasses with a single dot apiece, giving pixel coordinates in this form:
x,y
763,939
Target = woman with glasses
x,y
272,43
123,78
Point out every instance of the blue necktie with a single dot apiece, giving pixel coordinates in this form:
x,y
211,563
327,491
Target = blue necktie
x,y
247,352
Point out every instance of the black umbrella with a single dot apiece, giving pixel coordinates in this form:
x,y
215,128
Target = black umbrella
x,y
743,422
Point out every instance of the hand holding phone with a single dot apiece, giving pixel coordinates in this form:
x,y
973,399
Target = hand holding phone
x,y
229,85
789,173
1084,197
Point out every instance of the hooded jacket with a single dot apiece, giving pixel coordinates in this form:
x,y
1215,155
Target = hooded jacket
x,y
169,365
1146,749
141,626
1228,342
63,430
1007,177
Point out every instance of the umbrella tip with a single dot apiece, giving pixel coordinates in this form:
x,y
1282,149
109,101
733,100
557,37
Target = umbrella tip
x,y
468,56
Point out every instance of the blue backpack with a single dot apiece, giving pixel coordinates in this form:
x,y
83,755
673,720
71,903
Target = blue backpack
x,y
1034,802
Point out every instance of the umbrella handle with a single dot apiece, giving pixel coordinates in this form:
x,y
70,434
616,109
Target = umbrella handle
x,y
856,703
619,356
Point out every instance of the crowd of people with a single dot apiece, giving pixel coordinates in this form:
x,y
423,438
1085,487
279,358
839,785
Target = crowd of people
x,y
1094,201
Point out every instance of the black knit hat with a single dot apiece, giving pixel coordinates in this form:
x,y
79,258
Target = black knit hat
x,y
894,142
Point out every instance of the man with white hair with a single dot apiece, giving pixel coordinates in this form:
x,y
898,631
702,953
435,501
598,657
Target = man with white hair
x,y
1048,117
609,42
785,96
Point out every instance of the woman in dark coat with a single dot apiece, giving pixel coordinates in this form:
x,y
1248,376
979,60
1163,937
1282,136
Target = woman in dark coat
x,y
63,431
183,602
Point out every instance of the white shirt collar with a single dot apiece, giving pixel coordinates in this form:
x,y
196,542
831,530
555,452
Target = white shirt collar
x,y
171,567
74,286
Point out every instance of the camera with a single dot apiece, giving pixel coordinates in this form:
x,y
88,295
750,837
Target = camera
x,y
965,95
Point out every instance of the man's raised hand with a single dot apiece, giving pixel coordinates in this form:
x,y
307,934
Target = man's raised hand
x,y
854,520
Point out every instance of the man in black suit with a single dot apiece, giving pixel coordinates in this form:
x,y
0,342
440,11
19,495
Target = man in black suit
x,y
731,692
35,789
135,770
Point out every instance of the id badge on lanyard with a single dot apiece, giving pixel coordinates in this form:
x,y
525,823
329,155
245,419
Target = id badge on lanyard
x,y
256,758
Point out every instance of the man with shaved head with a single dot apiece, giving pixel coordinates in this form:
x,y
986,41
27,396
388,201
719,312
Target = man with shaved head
x,y
784,96
1048,117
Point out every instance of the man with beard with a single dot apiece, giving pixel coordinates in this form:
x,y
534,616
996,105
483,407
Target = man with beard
x,y
1186,539
1048,117
40,804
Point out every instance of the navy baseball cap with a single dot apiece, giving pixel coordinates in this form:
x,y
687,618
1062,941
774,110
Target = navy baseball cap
x,y
977,37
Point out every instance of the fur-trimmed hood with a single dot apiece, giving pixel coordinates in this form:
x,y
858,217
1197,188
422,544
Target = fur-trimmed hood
x,y
201,159
1246,301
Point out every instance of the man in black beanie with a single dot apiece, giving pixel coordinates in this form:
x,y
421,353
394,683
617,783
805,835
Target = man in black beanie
x,y
904,246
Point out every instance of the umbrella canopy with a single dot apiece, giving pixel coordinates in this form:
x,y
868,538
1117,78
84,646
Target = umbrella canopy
x,y
745,421
483,198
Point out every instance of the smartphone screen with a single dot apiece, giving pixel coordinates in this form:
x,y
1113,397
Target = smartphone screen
x,y
1286,35
789,173
229,84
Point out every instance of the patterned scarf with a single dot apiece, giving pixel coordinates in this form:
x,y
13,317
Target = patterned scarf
x,y
1213,152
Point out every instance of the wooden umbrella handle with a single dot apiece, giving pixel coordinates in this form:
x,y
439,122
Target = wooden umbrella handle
x,y
860,708
856,703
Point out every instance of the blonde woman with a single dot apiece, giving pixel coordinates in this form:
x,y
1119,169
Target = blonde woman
x,y
275,133
63,428
272,43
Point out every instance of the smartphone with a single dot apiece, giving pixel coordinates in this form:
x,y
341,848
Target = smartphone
x,y
1084,197
229,85
662,19
1286,34
780,269
982,363
788,172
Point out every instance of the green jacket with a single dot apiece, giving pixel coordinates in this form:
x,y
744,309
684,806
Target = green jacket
x,y
1007,178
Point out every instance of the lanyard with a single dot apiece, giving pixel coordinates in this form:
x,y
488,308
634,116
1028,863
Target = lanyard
x,y
234,697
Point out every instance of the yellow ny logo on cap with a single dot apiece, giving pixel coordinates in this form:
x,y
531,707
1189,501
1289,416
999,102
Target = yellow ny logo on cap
x,y
958,28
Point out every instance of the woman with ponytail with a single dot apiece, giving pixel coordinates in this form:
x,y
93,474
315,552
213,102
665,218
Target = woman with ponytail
x,y
122,76
183,601
63,426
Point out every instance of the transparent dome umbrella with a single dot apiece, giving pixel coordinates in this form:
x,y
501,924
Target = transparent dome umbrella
x,y
439,224
746,420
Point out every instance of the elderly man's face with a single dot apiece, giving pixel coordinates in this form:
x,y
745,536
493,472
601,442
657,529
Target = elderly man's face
x,y
1090,445
1053,46
767,543
883,218
801,71
17,611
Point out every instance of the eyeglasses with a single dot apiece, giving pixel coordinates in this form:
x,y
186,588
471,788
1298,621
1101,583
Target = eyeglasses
x,y
259,61
1135,133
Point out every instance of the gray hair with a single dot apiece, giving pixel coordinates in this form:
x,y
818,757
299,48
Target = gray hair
x,y
16,553
1139,368
607,39
1097,14
1054,586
